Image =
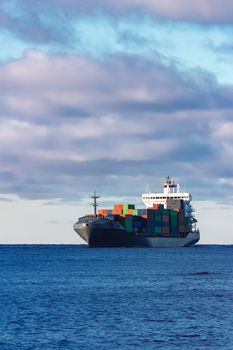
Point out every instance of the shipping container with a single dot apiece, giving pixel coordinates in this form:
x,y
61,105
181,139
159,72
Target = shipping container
x,y
142,211
158,212
137,224
150,221
174,223
165,218
118,206
129,223
117,211
158,220
165,212
174,231
158,229
111,216
174,218
166,230
128,206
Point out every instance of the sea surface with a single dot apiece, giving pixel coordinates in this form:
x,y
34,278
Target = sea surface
x,y
73,297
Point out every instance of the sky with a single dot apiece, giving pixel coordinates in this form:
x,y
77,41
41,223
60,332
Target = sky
x,y
111,97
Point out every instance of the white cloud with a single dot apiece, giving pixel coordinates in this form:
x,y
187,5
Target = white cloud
x,y
76,116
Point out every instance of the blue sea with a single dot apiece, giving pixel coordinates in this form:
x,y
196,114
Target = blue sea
x,y
72,297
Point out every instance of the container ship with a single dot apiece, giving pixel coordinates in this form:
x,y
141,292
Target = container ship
x,y
167,220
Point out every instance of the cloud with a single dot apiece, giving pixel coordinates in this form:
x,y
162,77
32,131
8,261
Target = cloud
x,y
100,30
193,10
3,199
201,11
69,124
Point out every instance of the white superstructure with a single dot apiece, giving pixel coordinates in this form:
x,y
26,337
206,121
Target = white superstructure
x,y
172,192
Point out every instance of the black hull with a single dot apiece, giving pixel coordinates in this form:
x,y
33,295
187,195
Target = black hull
x,y
114,237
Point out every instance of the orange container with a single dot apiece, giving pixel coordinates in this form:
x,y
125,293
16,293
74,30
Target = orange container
x,y
118,206
117,211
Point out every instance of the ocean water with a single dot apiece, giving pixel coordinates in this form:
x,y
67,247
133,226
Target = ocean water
x,y
73,297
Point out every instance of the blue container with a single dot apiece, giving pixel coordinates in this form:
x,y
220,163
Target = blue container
x,y
174,231
111,216
137,224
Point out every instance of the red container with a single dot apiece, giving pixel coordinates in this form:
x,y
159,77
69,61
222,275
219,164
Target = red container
x,y
165,218
155,206
166,230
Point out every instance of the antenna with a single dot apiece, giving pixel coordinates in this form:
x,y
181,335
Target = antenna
x,y
95,205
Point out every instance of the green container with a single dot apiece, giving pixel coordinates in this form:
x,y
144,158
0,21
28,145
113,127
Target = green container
x,y
166,212
128,206
173,219
158,229
173,213
125,211
129,223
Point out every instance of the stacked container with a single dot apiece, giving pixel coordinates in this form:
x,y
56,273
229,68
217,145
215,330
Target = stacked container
x,y
128,209
153,221
166,221
142,212
118,209
104,211
183,227
129,223
174,222
150,221
158,222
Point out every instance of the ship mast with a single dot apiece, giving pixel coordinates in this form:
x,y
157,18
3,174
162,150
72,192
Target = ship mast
x,y
95,205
